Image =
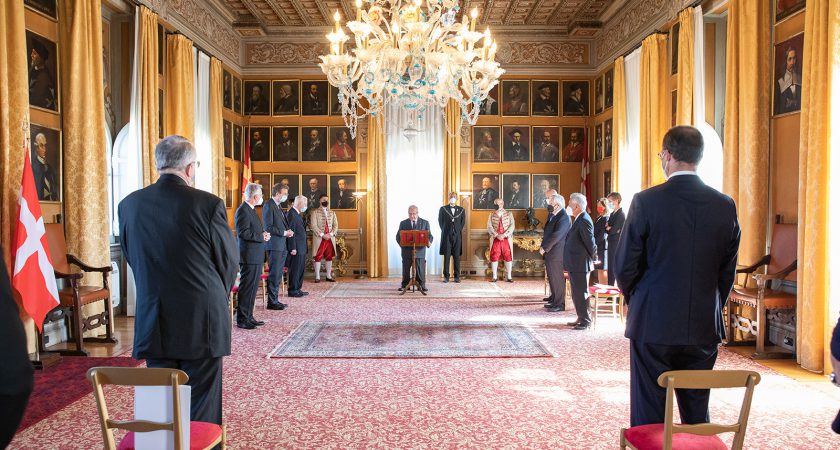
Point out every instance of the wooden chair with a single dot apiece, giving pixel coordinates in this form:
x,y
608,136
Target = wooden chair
x,y
74,295
668,436
606,300
203,435
781,265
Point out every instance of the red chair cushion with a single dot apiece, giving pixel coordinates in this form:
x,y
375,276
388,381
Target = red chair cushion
x,y
604,290
234,289
650,437
202,435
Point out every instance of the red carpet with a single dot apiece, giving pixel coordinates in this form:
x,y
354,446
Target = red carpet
x,y
59,386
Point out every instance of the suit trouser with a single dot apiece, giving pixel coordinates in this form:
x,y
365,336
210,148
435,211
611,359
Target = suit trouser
x,y
557,283
579,284
205,385
296,266
451,247
612,249
276,261
12,407
249,278
420,275
647,398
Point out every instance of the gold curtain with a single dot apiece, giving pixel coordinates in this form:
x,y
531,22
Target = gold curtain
x,y
452,150
654,107
148,79
217,141
619,119
14,114
685,69
815,317
180,87
85,167
746,143
377,238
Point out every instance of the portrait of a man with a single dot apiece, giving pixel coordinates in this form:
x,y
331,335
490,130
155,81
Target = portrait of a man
x,y
259,143
490,105
575,98
608,139
573,144
227,97
45,7
787,8
486,144
292,183
607,182
517,143
43,73
542,183
315,186
341,191
599,142
285,95
516,190
544,102
228,188
314,98
608,89
45,157
485,190
285,143
335,103
237,142
227,134
264,180
342,147
313,144
787,90
237,95
256,97
515,94
599,94
546,145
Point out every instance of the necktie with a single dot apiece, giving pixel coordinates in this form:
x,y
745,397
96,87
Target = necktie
x,y
412,225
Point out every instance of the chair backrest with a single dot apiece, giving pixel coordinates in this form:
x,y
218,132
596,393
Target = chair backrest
x,y
57,245
136,376
783,249
708,379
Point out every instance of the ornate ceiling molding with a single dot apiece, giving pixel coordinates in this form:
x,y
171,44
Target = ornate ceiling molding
x,y
629,25
542,53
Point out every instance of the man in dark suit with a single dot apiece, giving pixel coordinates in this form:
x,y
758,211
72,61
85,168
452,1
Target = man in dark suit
x,y
515,149
252,238
485,197
555,231
676,265
578,259
274,223
179,246
343,199
296,246
451,219
414,222
46,183
516,198
314,103
614,226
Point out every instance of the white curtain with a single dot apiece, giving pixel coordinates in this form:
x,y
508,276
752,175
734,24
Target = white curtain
x,y
630,174
414,177
204,174
711,167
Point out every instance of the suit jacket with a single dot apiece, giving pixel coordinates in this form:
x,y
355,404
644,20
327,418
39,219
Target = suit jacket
x,y
517,200
343,199
318,222
600,232
274,222
485,198
555,233
676,262
422,224
249,232
179,246
16,376
298,226
580,250
44,175
451,224
616,224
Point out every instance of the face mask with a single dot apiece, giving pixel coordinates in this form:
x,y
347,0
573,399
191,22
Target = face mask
x,y
550,208
303,209
324,204
610,205
283,198
600,210
496,207
452,201
259,202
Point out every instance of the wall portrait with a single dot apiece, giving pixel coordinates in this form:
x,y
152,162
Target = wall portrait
x,y
284,94
486,142
342,146
285,144
264,180
544,99
335,103
313,144
256,97
608,142
227,135
227,96
787,75
674,108
599,142
541,184
160,113
237,95
576,98
45,157
161,38
599,94
515,95
237,142
516,190
43,72
517,140
608,89
228,188
44,7
490,105
313,97
787,8
545,147
675,48
573,144
259,143
485,187
607,182
313,186
292,183
341,191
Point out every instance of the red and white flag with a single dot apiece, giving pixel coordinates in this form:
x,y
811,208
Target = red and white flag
x,y
584,171
246,162
33,275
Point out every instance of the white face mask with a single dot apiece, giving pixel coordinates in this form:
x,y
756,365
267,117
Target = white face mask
x,y
452,201
302,209
283,198
259,202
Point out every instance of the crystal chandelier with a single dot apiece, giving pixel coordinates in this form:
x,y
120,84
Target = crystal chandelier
x,y
415,54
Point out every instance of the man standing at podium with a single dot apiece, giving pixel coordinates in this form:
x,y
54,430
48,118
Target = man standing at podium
x,y
414,222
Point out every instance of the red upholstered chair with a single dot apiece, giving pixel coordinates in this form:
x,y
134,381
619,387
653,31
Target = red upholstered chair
x,y
606,300
203,435
668,436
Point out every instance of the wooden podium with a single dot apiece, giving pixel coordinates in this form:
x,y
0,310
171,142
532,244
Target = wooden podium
x,y
413,239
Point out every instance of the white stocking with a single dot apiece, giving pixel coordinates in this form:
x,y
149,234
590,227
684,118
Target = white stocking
x,y
329,269
509,269
317,265
494,267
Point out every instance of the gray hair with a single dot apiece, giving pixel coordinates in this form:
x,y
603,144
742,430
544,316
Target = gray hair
x,y
174,153
578,198
561,202
414,207
251,190
301,200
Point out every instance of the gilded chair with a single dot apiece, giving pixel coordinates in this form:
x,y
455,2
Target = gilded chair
x,y
203,435
670,436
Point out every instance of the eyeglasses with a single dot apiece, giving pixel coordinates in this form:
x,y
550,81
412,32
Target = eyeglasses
x,y
662,153
197,164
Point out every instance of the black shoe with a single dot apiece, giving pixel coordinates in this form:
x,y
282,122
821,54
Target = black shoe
x,y
509,280
401,288
246,326
258,323
446,280
296,294
457,280
276,306
573,323
548,300
304,292
549,305
331,280
317,280
582,326
555,309
493,280
423,289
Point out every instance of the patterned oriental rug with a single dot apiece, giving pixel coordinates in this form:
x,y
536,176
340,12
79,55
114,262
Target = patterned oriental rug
x,y
385,289
410,340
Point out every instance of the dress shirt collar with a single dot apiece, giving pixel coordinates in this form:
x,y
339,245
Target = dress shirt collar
x,y
682,172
